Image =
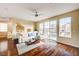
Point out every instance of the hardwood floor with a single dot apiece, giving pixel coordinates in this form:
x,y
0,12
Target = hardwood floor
x,y
55,49
3,47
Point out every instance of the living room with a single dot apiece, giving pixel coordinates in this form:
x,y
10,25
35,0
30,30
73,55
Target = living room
x,y
39,29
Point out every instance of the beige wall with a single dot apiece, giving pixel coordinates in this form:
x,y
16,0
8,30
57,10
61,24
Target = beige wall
x,y
26,23
74,41
36,25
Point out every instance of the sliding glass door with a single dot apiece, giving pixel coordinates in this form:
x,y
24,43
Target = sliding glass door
x,y
53,30
48,30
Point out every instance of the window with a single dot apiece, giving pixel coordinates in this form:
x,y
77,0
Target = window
x,y
49,29
65,27
41,28
46,28
3,27
53,30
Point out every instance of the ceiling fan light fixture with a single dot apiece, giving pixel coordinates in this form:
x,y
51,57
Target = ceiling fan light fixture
x,y
36,15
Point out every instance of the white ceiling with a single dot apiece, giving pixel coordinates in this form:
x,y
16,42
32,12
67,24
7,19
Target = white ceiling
x,y
25,11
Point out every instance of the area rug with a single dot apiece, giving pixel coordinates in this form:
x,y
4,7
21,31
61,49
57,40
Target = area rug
x,y
23,48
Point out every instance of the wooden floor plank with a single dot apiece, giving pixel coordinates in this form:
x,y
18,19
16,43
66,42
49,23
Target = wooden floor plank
x,y
50,50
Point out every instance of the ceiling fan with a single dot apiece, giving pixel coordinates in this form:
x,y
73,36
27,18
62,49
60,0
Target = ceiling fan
x,y
35,12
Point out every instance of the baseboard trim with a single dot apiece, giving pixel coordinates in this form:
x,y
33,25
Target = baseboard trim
x,y
68,45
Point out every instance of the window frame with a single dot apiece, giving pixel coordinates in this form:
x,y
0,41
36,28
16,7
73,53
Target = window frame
x,y
3,27
64,20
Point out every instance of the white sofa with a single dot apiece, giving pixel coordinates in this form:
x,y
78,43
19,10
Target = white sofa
x,y
22,47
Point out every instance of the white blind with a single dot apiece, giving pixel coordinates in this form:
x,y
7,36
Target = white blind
x,y
3,27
